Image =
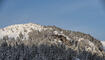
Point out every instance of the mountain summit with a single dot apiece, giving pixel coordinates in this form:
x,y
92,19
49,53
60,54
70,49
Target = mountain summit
x,y
36,42
13,31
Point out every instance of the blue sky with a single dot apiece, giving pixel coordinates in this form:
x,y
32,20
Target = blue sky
x,y
86,16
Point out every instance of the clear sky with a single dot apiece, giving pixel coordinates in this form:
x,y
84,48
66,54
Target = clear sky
x,y
86,16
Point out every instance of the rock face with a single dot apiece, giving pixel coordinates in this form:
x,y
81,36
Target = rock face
x,y
36,42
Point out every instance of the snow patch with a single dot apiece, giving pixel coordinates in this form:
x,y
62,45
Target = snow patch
x,y
80,39
89,45
61,33
103,43
13,31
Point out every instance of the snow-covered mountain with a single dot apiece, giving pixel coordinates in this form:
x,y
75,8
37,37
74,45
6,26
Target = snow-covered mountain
x,y
36,42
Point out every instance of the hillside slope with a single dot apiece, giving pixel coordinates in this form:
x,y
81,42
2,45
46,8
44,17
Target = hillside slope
x,y
36,42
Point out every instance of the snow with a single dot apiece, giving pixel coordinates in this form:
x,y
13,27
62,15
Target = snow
x,y
13,31
61,33
90,45
80,39
86,41
103,43
56,32
55,40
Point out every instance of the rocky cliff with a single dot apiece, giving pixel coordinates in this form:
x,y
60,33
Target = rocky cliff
x,y
36,42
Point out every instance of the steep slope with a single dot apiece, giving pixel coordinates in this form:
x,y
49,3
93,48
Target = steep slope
x,y
36,42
